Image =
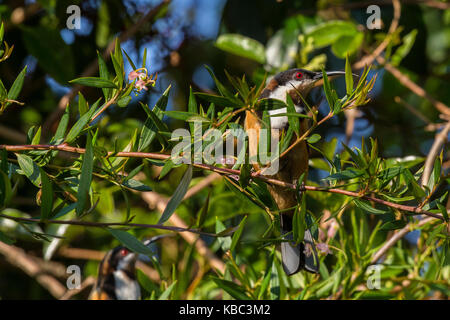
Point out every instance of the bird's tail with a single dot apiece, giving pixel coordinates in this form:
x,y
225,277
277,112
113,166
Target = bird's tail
x,y
297,256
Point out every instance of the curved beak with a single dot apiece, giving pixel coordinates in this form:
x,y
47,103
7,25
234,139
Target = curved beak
x,y
318,77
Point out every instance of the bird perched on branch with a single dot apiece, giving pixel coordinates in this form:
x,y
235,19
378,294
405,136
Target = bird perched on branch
x,y
291,167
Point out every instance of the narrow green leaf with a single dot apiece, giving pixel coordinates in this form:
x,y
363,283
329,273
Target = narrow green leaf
x,y
237,234
17,85
136,185
348,76
104,74
81,123
219,100
46,196
202,215
364,205
314,138
86,177
178,196
166,294
94,82
130,241
294,122
234,290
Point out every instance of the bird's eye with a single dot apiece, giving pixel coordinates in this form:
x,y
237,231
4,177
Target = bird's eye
x,y
299,75
123,252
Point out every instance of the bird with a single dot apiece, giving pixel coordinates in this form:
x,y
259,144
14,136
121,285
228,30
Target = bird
x,y
117,276
116,279
294,82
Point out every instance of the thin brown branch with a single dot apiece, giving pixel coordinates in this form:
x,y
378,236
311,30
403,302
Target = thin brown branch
x,y
225,171
407,82
397,236
23,261
439,141
155,200
54,117
107,224
89,281
367,60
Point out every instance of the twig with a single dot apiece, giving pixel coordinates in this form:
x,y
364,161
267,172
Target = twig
x,y
404,80
92,67
396,237
20,259
439,141
367,60
225,171
89,281
107,224
155,200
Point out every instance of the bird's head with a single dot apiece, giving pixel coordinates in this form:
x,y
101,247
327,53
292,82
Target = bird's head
x,y
119,258
295,81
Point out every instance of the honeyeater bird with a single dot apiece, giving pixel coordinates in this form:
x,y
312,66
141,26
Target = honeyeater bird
x,y
117,276
294,81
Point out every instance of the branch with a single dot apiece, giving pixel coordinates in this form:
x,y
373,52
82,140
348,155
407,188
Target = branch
x,y
225,171
202,248
20,259
439,141
396,237
404,80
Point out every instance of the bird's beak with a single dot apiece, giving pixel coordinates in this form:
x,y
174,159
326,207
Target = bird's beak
x,y
318,78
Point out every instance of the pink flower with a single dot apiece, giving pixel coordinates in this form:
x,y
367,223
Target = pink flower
x,y
324,248
141,84
133,75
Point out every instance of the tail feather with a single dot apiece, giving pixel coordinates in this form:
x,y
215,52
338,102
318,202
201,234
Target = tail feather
x,y
297,256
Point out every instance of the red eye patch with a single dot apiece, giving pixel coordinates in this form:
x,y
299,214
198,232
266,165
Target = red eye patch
x,y
123,252
299,75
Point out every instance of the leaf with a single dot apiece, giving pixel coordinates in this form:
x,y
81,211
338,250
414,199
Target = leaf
x,y
104,74
347,44
5,239
329,32
202,216
234,290
136,185
327,89
393,225
364,205
165,295
242,46
46,196
294,122
237,234
178,196
94,82
5,189
443,210
30,168
403,50
314,138
299,222
130,241
86,177
17,85
348,76
218,100
347,174
149,131
81,123
179,115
